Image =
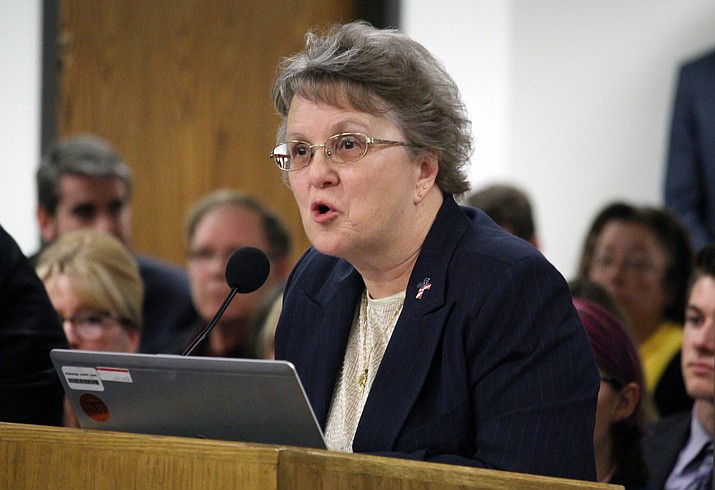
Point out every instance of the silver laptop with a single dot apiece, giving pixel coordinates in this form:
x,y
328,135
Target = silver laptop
x,y
214,398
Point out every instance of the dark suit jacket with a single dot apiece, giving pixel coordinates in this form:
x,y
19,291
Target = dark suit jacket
x,y
490,368
30,391
690,177
662,445
169,315
670,396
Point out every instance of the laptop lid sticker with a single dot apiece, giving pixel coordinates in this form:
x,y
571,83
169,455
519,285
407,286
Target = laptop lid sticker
x,y
82,378
118,375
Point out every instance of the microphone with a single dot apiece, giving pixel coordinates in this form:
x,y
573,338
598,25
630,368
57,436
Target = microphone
x,y
246,271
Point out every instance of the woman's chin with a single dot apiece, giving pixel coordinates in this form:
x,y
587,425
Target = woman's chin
x,y
328,245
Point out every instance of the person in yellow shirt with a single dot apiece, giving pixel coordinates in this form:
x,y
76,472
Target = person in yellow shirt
x,y
642,257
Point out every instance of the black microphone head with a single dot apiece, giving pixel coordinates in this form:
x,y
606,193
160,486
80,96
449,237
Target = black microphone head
x,y
247,269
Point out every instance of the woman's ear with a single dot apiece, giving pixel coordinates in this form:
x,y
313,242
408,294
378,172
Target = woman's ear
x,y
428,169
429,165
47,225
628,398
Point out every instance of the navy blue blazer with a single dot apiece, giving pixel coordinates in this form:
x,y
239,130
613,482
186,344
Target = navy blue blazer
x,y
169,315
690,174
490,368
662,444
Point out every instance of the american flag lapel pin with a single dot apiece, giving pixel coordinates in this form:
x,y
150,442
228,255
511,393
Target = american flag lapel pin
x,y
422,287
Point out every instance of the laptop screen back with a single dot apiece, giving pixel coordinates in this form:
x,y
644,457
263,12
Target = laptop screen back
x,y
215,398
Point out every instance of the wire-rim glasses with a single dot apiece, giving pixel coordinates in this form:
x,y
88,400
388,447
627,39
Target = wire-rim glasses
x,y
339,148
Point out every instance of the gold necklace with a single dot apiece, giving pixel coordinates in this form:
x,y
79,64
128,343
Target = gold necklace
x,y
364,325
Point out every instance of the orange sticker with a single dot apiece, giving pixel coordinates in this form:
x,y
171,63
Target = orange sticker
x,y
94,407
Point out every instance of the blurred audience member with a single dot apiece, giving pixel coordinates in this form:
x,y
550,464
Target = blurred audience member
x,y
618,430
84,184
30,389
218,225
642,257
679,450
690,174
509,207
588,290
94,285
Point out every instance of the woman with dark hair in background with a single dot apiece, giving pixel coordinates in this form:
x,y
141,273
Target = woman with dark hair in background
x,y
619,418
642,257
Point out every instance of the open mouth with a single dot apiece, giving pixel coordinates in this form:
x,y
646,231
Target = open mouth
x,y
321,208
322,213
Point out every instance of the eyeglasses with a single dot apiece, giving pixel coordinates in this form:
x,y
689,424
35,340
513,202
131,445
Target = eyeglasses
x,y
204,256
91,325
340,148
632,264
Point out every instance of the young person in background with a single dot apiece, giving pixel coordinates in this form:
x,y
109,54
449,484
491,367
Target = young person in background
x,y
679,448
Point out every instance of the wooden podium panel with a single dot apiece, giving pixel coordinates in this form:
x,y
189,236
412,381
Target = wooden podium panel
x,y
39,457
307,469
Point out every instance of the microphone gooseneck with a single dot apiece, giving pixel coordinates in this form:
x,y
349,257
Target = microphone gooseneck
x,y
246,271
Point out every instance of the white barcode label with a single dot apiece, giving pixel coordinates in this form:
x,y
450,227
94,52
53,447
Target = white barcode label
x,y
82,378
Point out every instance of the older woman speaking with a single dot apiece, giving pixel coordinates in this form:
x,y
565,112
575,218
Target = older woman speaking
x,y
420,329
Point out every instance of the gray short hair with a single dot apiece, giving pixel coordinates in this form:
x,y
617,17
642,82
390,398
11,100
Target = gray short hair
x,y
79,155
383,72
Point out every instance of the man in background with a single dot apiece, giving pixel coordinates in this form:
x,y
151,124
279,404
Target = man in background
x,y
509,207
83,183
690,172
678,449
218,225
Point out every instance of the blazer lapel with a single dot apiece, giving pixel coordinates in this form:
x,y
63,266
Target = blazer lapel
x,y
409,354
332,314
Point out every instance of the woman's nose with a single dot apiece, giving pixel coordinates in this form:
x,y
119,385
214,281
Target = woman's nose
x,y
321,170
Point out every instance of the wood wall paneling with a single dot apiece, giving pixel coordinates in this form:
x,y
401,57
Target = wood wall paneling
x,y
182,89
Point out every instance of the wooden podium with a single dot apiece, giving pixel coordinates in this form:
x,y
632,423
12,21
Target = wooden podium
x,y
40,457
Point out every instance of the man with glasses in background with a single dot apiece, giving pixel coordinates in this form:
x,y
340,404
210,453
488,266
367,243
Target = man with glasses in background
x,y
218,225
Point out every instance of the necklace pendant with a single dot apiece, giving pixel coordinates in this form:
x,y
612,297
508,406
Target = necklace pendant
x,y
362,381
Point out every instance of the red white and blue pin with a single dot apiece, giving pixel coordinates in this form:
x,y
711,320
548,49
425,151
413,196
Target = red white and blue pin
x,y
422,287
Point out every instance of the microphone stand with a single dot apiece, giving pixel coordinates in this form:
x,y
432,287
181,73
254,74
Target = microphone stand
x,y
200,338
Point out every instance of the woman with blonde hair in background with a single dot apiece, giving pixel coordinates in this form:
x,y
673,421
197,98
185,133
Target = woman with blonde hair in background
x,y
94,285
